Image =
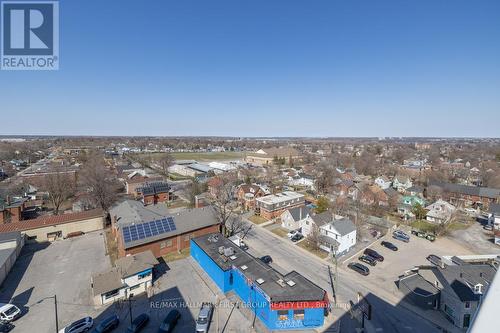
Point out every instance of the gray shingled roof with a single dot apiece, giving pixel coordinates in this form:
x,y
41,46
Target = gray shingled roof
x,y
136,263
487,192
299,213
344,226
322,218
495,209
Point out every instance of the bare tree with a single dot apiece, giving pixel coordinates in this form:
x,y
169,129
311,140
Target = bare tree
x,y
225,208
99,181
60,187
165,162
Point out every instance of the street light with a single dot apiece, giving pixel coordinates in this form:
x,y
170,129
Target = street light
x,y
55,308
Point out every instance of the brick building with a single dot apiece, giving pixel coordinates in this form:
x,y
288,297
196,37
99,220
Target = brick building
x,y
466,196
247,193
272,206
139,228
152,193
52,227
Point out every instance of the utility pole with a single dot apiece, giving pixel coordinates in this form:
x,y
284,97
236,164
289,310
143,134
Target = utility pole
x,y
130,308
57,319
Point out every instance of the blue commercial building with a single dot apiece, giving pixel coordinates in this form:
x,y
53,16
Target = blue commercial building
x,y
281,302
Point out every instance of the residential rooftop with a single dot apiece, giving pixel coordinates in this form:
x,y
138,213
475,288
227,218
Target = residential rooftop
x,y
280,197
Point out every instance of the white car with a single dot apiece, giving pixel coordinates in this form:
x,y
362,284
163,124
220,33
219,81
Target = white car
x,y
292,233
82,325
9,312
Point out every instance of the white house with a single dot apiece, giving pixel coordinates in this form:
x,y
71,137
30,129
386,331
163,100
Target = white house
x,y
383,182
294,218
301,180
131,275
338,235
401,183
439,212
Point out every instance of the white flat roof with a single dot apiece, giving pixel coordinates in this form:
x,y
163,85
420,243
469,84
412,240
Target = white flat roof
x,y
280,197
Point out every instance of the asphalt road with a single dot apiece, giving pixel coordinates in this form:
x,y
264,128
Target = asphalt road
x,y
286,257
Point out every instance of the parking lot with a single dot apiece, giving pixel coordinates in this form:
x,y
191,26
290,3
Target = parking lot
x,y
409,255
62,268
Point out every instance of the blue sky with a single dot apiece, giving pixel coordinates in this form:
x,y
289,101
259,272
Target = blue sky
x,y
265,68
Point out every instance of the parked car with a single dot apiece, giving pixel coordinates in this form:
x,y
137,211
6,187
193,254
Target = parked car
x,y
138,323
298,236
266,259
82,325
292,233
368,259
434,259
360,268
6,327
107,325
430,237
204,318
9,312
488,227
389,245
168,324
400,235
374,254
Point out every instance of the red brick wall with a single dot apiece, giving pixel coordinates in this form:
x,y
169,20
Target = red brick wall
x,y
178,243
271,215
152,199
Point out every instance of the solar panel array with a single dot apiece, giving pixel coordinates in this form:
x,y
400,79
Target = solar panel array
x,y
155,187
145,230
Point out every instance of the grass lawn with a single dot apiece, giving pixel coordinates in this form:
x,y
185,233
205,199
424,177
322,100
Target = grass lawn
x,y
306,244
458,226
257,219
424,226
177,256
178,204
282,232
112,246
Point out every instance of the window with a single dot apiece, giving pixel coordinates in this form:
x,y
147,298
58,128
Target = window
x,y
298,314
112,293
134,287
466,320
143,275
282,315
467,305
165,244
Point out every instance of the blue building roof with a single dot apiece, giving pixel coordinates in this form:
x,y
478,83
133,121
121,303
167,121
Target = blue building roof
x,y
291,287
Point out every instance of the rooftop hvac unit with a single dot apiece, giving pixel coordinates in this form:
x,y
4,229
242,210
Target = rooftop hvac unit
x,y
290,283
281,282
260,281
228,251
221,249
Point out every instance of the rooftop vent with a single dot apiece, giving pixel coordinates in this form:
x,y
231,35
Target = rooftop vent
x,y
228,251
260,281
221,249
233,257
244,267
281,282
290,283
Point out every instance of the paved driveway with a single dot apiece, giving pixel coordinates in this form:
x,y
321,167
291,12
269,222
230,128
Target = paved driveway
x,y
63,268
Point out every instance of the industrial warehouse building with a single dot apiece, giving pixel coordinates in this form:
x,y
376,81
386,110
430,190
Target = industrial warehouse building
x,y
280,302
53,227
138,228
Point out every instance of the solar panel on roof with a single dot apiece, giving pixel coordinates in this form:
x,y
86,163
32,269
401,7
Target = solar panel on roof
x,y
148,229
